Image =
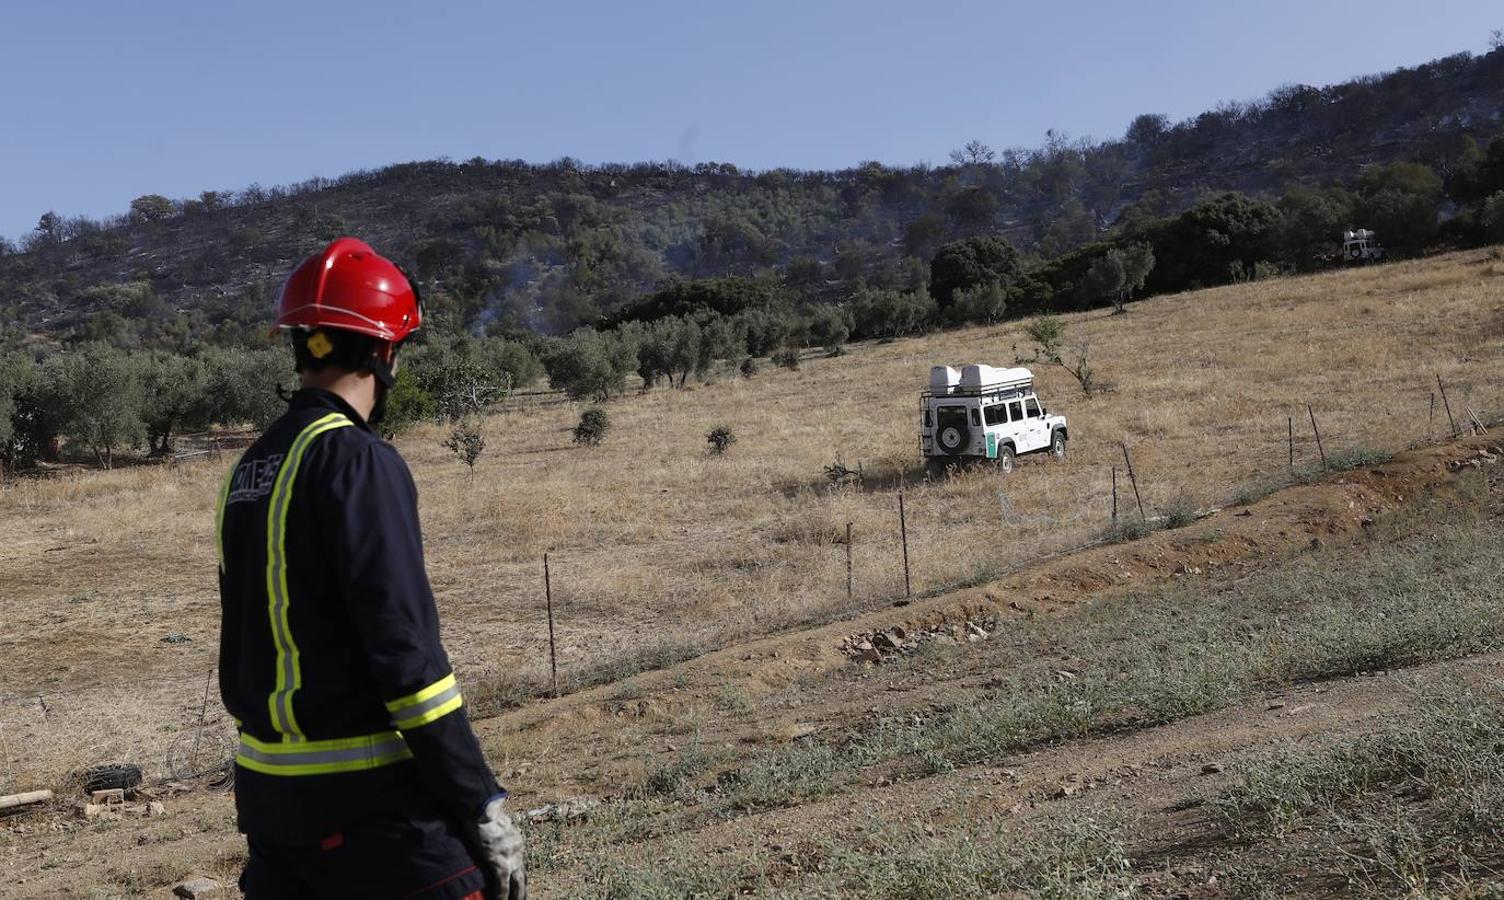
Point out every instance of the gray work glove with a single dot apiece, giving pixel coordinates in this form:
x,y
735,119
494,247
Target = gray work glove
x,y
498,846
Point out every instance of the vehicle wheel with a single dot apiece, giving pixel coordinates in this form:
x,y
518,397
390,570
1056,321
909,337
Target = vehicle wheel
x,y
118,775
1004,461
1057,445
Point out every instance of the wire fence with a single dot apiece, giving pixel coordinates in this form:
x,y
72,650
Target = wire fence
x,y
176,728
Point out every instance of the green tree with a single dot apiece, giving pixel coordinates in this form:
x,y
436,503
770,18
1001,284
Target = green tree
x,y
407,405
172,397
1138,265
969,262
1399,201
151,208
590,364
888,314
100,391
1311,224
984,303
830,327
1198,247
1492,218
923,236
1105,279
242,386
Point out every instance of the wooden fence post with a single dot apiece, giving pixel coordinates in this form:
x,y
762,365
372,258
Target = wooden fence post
x,y
903,530
553,652
1133,480
1319,449
1445,404
849,594
1431,419
1291,424
1114,496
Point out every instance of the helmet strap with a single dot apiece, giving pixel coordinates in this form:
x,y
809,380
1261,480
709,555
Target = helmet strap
x,y
385,379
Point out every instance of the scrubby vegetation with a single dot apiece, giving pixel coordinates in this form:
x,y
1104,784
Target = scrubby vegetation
x,y
1243,191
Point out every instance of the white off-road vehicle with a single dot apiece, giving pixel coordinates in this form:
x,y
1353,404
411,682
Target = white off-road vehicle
x,y
978,413
1361,246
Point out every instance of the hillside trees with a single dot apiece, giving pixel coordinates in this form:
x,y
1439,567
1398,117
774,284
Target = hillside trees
x,y
1311,224
1208,242
173,397
101,390
970,262
1399,201
591,364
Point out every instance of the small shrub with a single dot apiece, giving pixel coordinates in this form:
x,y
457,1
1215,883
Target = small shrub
x,y
720,439
788,359
467,443
592,427
749,367
1180,512
1357,458
1048,332
1129,528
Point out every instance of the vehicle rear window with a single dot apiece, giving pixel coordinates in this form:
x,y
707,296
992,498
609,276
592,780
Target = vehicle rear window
x,y
995,415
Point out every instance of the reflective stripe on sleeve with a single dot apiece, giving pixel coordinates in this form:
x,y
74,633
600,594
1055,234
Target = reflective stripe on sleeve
x,y
289,672
428,705
355,754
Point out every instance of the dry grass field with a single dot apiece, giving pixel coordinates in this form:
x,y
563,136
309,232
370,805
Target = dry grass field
x,y
776,767
660,549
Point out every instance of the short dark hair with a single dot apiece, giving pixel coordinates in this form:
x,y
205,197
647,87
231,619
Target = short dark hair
x,y
317,349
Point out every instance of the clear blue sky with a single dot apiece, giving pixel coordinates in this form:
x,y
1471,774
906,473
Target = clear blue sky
x,y
105,101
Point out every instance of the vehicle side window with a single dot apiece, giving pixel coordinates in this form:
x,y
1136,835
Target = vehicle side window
x,y
976,417
994,414
1016,410
1031,407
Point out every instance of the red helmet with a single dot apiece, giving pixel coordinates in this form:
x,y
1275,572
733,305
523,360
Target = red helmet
x,y
351,287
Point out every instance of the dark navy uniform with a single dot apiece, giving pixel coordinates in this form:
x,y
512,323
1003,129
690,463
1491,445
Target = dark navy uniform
x,y
355,750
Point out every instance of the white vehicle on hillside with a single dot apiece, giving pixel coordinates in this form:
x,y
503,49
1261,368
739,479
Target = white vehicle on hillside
x,y
984,413
1361,245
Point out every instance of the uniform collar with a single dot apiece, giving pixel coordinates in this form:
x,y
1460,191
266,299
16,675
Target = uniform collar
x,y
318,398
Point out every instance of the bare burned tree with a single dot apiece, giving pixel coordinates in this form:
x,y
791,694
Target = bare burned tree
x,y
975,153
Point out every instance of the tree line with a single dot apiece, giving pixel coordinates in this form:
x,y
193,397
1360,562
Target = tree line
x,y
505,245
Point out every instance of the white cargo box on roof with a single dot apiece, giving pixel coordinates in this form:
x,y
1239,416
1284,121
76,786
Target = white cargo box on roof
x,y
976,378
943,379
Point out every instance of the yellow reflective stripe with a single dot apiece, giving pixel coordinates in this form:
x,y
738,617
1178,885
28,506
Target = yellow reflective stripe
x,y
431,715
289,671
433,690
428,705
322,757
219,514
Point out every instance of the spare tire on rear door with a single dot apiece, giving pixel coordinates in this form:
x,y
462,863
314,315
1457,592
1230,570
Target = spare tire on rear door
x,y
952,433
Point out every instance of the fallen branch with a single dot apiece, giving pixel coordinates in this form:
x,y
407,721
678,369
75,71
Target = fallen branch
x,y
15,801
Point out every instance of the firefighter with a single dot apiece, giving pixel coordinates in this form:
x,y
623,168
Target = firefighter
x,y
357,773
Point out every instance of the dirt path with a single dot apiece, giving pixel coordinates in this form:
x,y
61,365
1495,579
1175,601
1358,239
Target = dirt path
x,y
1154,780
